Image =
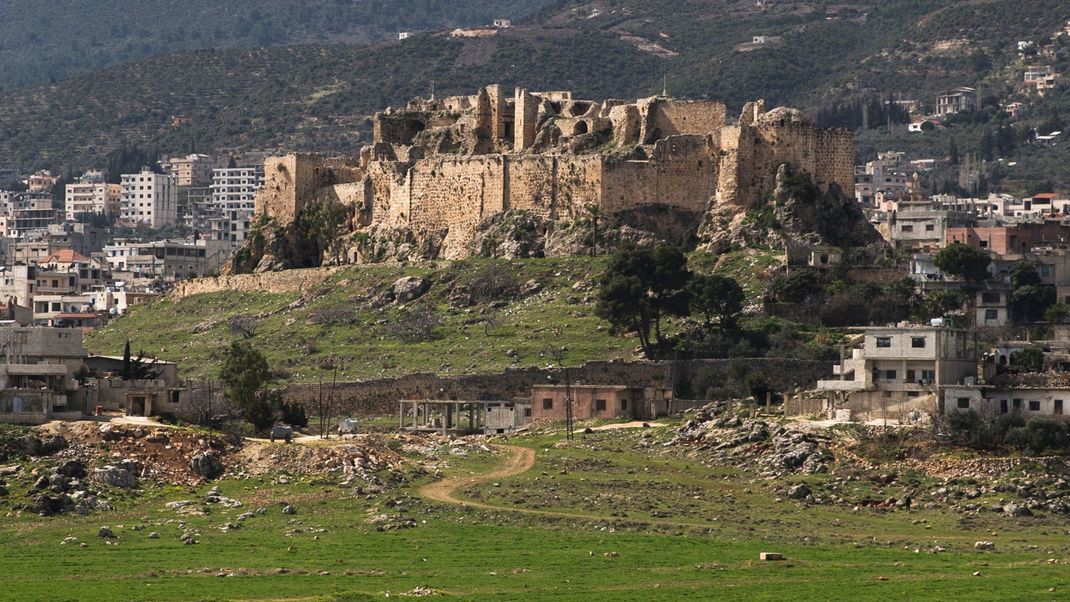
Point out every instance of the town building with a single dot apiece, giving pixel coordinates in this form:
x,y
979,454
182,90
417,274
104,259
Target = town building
x,y
149,199
900,368
91,194
37,375
166,259
234,198
41,181
191,170
957,100
550,402
27,212
992,401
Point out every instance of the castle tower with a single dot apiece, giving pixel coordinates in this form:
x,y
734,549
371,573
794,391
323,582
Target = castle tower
x,y
527,117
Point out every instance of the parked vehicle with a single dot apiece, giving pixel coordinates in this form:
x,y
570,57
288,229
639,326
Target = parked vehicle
x,y
282,431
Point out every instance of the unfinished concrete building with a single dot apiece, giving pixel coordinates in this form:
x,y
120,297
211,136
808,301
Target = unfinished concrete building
x,y
438,168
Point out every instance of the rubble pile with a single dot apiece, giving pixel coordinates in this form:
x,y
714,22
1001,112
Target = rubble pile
x,y
133,452
359,457
752,442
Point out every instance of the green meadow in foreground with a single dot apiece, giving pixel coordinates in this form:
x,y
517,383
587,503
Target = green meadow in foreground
x,y
598,520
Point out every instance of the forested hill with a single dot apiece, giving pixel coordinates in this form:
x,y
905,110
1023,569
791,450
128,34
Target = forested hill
x,y
42,40
318,97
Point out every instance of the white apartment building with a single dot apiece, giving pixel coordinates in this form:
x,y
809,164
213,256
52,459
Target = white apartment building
x,y
91,194
233,194
166,259
149,198
898,365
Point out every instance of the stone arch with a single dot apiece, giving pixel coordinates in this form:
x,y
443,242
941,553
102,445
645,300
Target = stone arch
x,y
580,127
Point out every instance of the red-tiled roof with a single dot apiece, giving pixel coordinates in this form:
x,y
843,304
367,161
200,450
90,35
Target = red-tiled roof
x,y
64,256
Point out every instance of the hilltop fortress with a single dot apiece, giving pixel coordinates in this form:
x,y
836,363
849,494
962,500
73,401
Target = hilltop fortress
x,y
439,170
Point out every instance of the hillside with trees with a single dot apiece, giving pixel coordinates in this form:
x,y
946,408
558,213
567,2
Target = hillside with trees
x,y
828,58
43,41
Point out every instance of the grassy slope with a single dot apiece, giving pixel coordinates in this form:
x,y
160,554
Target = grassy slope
x,y
363,342
832,552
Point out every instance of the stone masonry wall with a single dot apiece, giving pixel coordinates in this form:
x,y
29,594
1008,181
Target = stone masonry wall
x,y
380,396
287,281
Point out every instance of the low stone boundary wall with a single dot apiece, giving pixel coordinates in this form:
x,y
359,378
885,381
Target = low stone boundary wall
x,y
380,396
286,281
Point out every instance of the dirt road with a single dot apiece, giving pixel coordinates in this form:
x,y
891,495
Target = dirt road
x,y
519,461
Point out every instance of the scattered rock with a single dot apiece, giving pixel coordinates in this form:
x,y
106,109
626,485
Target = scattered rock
x,y
114,476
985,545
105,533
206,464
410,288
799,492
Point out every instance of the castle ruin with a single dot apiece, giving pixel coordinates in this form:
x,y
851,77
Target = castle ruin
x,y
439,168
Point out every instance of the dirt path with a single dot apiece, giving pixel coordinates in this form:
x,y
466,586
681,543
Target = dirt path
x,y
519,461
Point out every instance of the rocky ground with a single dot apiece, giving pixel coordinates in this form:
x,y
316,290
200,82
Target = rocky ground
x,y
79,467
899,469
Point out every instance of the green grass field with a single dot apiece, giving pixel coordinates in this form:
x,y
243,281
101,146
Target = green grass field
x,y
600,520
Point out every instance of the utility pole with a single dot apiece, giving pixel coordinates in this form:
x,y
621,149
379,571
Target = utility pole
x,y
568,403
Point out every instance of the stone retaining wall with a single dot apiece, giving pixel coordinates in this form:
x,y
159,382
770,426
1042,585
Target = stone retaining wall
x,y
380,396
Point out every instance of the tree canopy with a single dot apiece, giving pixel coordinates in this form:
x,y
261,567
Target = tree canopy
x,y
964,261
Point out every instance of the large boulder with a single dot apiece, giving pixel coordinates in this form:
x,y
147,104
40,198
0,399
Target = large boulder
x,y
206,464
72,469
115,476
410,288
34,445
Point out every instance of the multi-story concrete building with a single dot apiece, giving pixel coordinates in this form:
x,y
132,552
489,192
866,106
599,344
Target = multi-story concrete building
x,y
37,375
167,259
41,181
91,194
901,365
149,198
233,194
191,170
957,100
28,211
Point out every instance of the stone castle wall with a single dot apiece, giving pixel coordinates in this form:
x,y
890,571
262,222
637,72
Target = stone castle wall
x,y
442,166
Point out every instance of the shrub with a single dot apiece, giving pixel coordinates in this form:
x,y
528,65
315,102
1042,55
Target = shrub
x,y
1040,435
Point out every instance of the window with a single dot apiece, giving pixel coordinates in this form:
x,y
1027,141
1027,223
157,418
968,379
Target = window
x,y
911,376
547,404
884,342
913,394
1034,406
917,342
929,227
1058,407
527,412
600,405
991,314
990,297
624,404
1003,406
889,374
928,375
907,228
1017,404
963,403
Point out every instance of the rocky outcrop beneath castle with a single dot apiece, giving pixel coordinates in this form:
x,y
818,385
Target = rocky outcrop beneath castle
x,y
798,212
